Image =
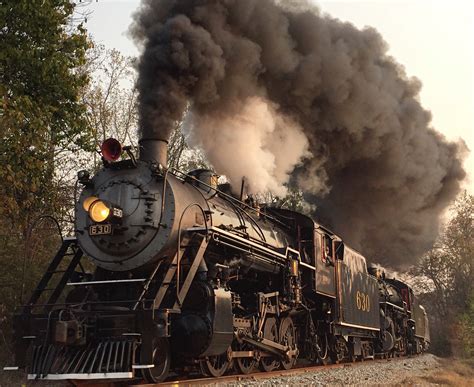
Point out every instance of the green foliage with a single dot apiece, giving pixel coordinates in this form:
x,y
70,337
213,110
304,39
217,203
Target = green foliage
x,y
41,112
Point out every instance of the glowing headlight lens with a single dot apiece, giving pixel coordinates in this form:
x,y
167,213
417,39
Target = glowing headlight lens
x,y
99,211
88,202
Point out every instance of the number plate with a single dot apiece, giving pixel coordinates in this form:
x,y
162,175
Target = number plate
x,y
100,229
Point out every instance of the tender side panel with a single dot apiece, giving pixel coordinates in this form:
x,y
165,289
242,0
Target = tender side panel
x,y
358,298
418,314
427,330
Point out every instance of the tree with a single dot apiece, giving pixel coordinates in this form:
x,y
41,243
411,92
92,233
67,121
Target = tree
x,y
41,111
111,96
445,277
458,244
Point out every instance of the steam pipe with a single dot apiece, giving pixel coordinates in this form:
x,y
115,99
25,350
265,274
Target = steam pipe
x,y
154,150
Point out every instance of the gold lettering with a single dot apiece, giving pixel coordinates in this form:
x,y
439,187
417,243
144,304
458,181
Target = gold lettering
x,y
362,301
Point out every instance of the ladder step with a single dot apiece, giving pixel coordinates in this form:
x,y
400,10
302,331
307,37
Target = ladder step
x,y
119,281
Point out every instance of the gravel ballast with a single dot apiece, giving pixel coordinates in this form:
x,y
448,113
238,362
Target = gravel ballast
x,y
391,371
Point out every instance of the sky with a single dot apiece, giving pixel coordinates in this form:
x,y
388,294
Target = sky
x,y
433,39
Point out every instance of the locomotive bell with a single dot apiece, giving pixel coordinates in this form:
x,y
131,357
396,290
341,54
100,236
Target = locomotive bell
x,y
204,179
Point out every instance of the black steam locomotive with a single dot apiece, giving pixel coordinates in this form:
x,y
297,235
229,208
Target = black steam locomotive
x,y
189,278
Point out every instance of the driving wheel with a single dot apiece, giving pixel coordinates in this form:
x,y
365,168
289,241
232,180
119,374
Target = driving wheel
x,y
270,332
288,338
245,365
215,365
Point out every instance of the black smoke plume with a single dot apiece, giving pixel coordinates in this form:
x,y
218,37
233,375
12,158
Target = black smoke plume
x,y
364,149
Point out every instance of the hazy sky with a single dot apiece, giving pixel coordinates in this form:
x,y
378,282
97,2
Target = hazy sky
x,y
433,39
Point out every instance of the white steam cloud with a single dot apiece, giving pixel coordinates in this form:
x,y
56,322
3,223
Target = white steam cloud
x,y
257,140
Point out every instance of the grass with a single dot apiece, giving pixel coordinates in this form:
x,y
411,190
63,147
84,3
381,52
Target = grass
x,y
454,372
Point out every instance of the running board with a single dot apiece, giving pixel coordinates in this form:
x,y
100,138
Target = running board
x,y
107,375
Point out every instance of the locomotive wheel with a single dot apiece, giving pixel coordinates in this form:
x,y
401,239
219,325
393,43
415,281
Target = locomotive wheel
x,y
288,338
245,365
270,332
215,366
161,360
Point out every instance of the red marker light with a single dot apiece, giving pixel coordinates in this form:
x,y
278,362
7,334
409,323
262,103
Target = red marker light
x,y
111,149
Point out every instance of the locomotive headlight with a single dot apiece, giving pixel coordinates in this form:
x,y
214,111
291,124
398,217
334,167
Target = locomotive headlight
x,y
88,202
99,211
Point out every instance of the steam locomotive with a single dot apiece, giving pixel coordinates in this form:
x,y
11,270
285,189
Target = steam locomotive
x,y
189,278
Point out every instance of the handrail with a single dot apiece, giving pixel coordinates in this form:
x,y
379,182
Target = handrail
x,y
226,196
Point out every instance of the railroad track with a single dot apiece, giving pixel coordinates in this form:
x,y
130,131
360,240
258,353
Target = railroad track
x,y
258,375
297,370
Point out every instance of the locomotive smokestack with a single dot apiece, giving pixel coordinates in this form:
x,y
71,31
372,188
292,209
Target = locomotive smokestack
x,y
154,150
